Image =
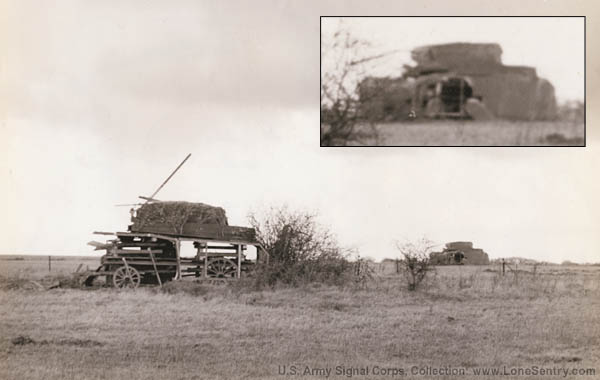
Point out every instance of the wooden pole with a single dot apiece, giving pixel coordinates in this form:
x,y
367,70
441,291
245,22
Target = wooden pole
x,y
168,178
49,263
239,260
178,256
205,269
154,265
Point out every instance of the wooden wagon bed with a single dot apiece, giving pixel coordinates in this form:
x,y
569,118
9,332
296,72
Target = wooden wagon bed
x,y
136,257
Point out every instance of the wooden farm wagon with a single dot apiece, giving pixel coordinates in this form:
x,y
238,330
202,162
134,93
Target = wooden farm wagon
x,y
150,251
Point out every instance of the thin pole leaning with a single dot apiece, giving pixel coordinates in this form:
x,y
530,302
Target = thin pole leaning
x,y
169,177
154,265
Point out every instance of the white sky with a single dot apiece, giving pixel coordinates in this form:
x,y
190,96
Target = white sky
x,y
99,101
553,45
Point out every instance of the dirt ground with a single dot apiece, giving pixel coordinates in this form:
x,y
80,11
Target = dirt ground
x,y
464,318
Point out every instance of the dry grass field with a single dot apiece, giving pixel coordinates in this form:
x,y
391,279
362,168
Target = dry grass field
x,y
464,317
36,267
469,133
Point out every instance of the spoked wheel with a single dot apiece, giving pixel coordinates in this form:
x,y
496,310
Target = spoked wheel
x,y
126,277
221,268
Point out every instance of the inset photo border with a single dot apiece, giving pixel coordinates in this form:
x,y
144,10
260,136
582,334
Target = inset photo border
x,y
453,81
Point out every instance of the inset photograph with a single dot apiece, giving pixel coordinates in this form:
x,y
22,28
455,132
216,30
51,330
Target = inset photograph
x,y
452,81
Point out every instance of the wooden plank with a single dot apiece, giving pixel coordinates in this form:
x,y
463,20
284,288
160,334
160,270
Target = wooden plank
x,y
107,273
139,251
142,244
206,231
139,262
113,260
232,247
99,245
213,254
201,263
229,248
103,233
147,234
138,257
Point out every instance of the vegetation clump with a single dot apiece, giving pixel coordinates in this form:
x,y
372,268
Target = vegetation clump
x,y
416,264
301,251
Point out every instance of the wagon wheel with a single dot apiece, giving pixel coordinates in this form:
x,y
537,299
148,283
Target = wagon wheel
x,y
126,277
221,268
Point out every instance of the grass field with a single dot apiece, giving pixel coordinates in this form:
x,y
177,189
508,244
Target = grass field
x,y
464,318
461,133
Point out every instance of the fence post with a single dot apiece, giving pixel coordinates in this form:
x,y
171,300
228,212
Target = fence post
x,y
49,263
503,266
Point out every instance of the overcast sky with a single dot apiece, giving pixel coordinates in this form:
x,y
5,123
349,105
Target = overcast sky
x,y
101,100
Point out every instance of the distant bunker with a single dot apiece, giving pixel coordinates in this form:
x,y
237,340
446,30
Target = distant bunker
x,y
460,80
460,253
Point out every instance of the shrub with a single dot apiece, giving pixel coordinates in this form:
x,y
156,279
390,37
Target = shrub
x,y
416,262
343,122
301,251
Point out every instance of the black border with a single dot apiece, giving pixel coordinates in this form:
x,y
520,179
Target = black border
x,y
469,146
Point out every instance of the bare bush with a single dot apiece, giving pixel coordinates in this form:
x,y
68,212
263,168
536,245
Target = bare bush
x,y
343,122
416,263
301,250
363,271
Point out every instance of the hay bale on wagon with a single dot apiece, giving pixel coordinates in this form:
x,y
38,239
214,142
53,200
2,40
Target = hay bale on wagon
x,y
175,215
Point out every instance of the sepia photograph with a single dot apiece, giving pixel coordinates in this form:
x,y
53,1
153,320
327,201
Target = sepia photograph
x,y
453,81
169,211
